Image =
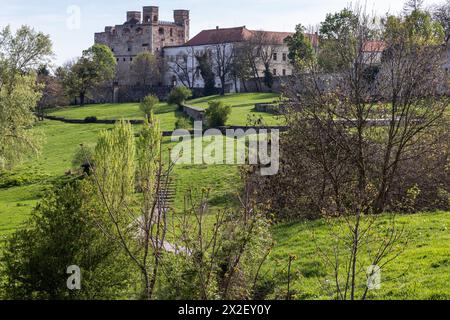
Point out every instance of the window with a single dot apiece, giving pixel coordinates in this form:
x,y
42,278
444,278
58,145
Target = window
x,y
274,72
112,49
284,72
171,32
131,59
124,59
284,56
275,56
161,31
129,48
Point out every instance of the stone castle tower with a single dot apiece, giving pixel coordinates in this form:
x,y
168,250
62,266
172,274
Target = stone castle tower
x,y
143,31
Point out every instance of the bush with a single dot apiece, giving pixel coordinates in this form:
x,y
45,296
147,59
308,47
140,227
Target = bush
x,y
64,233
148,104
10,179
217,114
179,95
183,123
90,120
83,157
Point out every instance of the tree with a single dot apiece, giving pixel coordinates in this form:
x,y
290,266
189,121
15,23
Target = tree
x,y
222,60
64,233
413,5
205,66
441,14
268,78
240,68
96,66
183,66
148,105
217,114
145,69
53,94
351,144
301,51
179,95
336,32
222,253
20,56
140,228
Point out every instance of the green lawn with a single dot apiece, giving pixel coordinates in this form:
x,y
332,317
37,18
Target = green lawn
x,y
242,106
167,115
422,271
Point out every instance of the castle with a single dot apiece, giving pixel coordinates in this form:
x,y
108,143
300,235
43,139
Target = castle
x,y
143,31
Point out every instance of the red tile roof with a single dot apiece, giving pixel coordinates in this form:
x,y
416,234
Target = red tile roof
x,y
239,34
374,46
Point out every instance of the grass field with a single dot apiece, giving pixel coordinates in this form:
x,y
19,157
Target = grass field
x,y
421,272
242,106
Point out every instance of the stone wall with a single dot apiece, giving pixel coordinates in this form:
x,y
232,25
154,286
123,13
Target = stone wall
x,y
195,113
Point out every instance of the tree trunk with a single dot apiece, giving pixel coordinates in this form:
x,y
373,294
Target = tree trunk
x,y
82,97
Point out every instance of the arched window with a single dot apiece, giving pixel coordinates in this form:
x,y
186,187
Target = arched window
x,y
161,31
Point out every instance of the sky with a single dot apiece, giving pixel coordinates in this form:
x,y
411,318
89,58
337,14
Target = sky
x,y
72,24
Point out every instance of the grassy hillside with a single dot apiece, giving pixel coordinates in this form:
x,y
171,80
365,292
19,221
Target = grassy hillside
x,y
242,106
422,271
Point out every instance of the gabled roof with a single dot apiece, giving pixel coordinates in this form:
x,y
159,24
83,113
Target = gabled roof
x,y
214,36
374,46
238,34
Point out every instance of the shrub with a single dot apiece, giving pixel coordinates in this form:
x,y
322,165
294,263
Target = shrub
x,y
90,120
179,95
148,104
217,114
183,123
10,179
64,233
83,157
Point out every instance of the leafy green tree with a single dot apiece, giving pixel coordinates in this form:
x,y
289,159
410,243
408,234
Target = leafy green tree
x,y
217,114
206,70
145,69
338,33
339,25
241,67
268,78
21,54
301,51
179,95
148,105
414,29
62,232
96,66
124,165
